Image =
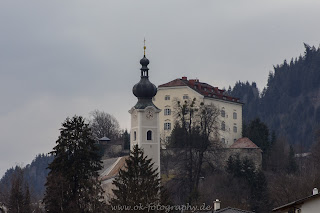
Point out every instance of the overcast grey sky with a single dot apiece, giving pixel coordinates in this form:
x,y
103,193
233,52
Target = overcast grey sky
x,y
60,58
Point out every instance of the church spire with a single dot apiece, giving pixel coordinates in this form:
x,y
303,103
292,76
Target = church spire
x,y
144,62
144,90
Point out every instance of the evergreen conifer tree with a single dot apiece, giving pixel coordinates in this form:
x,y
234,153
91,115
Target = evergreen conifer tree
x,y
72,183
138,184
26,200
16,195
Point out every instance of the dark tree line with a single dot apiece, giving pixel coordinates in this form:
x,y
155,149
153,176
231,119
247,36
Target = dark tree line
x,y
288,105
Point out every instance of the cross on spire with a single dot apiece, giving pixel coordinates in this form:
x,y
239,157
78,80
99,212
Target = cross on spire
x,y
144,47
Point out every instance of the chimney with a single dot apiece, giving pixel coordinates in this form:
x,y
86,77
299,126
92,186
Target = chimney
x,y
184,78
216,205
315,191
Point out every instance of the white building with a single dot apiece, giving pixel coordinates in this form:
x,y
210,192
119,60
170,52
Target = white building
x,y
181,89
310,204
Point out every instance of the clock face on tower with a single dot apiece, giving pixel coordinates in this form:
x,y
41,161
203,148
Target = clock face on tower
x,y
149,114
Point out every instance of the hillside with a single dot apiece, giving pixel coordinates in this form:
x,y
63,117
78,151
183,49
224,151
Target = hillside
x,y
290,104
34,174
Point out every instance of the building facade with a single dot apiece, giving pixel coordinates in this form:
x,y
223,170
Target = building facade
x,y
230,119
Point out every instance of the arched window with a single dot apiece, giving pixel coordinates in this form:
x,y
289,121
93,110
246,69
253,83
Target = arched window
x,y
223,112
235,129
223,126
134,135
234,115
149,135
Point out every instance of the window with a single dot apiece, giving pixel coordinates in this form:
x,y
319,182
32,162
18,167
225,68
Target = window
x,y
185,97
167,139
167,111
235,129
167,126
134,135
234,140
167,97
149,135
223,140
223,126
234,115
223,113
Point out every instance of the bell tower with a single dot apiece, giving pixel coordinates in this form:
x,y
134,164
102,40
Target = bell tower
x,y
145,116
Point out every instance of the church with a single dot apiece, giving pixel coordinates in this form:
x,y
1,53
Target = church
x,y
145,131
148,122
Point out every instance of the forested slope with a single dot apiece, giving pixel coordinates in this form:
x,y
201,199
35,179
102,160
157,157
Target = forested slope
x,y
290,104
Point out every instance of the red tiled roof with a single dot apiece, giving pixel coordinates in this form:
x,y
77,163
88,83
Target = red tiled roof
x,y
244,143
203,88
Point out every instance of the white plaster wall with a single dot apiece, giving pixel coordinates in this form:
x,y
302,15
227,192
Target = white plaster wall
x,y
312,206
230,107
178,93
141,124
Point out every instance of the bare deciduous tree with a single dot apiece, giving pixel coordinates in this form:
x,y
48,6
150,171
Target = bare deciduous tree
x,y
104,124
195,135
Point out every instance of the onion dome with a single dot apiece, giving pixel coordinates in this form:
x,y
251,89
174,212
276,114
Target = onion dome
x,y
144,90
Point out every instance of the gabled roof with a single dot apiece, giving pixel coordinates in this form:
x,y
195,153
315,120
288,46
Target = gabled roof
x,y
244,143
296,203
111,167
232,210
202,88
104,139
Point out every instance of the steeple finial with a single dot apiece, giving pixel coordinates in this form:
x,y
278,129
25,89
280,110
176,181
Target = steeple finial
x,y
144,47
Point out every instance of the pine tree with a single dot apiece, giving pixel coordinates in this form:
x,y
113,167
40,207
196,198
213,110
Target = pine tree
x,y
16,198
138,183
72,183
26,200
